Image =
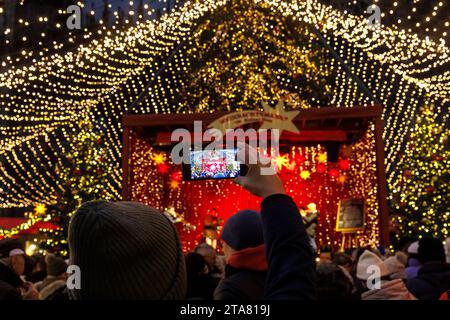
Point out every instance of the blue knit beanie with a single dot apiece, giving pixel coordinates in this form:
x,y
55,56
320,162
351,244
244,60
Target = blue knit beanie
x,y
243,230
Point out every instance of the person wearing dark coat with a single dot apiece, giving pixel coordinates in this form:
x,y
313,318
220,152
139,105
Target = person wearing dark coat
x,y
10,284
215,264
200,284
290,273
55,282
433,277
39,271
12,266
333,283
246,264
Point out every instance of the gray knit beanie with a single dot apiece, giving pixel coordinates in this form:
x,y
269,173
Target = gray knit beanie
x,y
126,250
56,266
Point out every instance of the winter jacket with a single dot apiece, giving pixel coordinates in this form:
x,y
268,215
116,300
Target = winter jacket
x,y
245,276
37,276
241,285
290,259
46,282
432,280
10,284
52,289
390,290
412,269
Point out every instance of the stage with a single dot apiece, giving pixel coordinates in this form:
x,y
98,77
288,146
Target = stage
x,y
336,156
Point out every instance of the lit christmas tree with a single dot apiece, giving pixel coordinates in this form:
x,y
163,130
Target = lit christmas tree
x,y
245,54
83,174
422,194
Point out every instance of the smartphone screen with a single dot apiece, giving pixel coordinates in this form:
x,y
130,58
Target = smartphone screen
x,y
212,164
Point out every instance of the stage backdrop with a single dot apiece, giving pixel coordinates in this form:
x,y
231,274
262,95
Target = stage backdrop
x,y
306,174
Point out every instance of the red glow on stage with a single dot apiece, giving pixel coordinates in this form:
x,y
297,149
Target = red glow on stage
x,y
195,200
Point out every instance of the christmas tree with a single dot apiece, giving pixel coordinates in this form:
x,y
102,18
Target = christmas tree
x,y
422,195
83,173
245,54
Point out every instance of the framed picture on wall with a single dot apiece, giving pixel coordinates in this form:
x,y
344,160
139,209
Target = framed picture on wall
x,y
351,215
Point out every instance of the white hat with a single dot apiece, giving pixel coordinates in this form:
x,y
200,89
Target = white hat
x,y
366,260
16,252
413,248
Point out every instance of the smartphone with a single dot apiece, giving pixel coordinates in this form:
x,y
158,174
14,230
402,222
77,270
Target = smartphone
x,y
213,164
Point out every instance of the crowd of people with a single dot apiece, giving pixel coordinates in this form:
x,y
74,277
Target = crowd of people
x,y
35,277
419,271
127,250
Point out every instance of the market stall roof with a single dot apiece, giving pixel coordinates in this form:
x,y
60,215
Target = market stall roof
x,y
7,223
315,125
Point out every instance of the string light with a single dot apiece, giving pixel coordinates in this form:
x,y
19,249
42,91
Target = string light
x,y
193,200
421,192
42,102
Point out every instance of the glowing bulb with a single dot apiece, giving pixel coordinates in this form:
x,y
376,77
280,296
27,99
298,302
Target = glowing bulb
x,y
31,249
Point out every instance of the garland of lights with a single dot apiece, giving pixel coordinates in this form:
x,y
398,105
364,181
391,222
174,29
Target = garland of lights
x,y
42,103
32,218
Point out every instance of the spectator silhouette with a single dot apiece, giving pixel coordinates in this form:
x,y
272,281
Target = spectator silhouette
x,y
55,282
246,264
433,277
200,285
12,266
126,250
368,268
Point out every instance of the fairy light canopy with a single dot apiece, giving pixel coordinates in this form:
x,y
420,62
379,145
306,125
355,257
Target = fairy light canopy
x,y
41,103
33,29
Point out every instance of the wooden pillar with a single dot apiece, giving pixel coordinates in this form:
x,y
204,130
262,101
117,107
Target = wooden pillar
x,y
125,164
382,183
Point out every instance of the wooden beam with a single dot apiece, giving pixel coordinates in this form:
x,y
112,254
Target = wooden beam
x,y
382,183
304,114
164,138
126,195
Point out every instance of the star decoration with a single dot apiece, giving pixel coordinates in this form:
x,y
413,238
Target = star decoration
x,y
322,158
344,164
305,174
40,209
163,168
175,217
158,158
280,119
321,168
174,184
270,118
333,173
281,161
177,176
